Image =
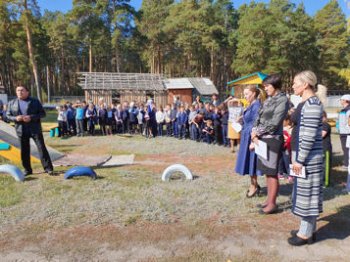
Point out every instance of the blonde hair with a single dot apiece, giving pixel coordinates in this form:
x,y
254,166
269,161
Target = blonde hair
x,y
309,77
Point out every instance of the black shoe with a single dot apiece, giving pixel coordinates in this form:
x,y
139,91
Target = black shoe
x,y
27,173
50,172
272,211
297,241
294,233
261,205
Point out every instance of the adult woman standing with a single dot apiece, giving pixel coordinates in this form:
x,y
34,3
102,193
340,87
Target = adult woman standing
x,y
307,192
269,129
246,158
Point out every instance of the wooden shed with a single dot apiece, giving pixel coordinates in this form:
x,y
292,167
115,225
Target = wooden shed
x,y
203,87
120,87
179,87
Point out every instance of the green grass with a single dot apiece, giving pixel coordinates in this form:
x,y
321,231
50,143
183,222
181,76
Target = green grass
x,y
51,116
11,192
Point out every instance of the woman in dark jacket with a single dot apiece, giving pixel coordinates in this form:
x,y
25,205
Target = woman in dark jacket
x,y
269,129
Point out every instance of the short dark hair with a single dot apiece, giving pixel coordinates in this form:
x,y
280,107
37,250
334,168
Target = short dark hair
x,y
26,88
274,80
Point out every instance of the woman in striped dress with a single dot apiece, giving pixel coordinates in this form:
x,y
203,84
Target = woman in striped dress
x,y
307,192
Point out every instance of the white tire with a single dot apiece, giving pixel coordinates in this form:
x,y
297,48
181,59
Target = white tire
x,y
174,169
14,171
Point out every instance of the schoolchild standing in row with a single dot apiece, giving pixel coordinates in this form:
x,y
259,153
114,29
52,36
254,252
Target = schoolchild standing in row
x,y
102,118
62,120
160,117
133,112
141,119
91,115
224,123
182,120
109,123
192,125
125,117
71,119
79,118
173,114
118,119
216,116
167,118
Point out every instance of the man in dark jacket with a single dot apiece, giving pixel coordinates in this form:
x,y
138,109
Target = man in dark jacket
x,y
26,112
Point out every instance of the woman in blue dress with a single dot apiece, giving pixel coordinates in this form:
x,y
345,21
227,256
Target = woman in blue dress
x,y
246,158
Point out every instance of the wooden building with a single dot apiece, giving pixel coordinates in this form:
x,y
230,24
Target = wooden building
x,y
179,87
138,87
120,87
203,87
188,88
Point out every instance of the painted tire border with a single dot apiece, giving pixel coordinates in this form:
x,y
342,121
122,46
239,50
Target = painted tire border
x,y
14,171
176,168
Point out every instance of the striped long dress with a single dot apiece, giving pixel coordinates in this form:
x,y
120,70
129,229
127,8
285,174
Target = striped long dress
x,y
307,193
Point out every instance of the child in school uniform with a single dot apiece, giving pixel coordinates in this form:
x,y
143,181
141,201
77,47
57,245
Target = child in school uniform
x,y
109,123
285,160
79,118
91,115
62,120
147,125
327,148
224,123
182,119
167,119
102,118
141,119
191,123
217,125
118,119
160,118
174,127
208,132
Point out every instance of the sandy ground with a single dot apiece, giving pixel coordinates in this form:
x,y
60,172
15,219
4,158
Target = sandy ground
x,y
124,217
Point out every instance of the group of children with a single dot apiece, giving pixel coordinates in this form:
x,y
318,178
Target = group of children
x,y
199,121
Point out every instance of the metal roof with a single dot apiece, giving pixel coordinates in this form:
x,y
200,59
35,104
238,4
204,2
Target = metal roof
x,y
121,81
178,83
143,82
203,85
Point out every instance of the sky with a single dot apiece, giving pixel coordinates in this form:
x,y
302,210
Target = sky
x,y
312,6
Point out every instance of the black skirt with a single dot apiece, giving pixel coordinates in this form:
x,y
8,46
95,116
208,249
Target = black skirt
x,y
274,153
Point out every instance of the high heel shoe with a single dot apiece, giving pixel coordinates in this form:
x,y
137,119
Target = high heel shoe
x,y
256,192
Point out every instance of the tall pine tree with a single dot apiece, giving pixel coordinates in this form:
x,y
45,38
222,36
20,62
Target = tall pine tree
x,y
332,42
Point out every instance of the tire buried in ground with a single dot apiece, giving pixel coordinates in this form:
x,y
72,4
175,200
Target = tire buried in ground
x,y
14,171
176,168
80,171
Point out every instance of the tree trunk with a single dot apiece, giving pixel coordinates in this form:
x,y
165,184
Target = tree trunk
x,y
90,57
31,51
48,84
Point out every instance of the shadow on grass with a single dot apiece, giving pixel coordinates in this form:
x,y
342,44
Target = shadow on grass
x,y
29,178
338,226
